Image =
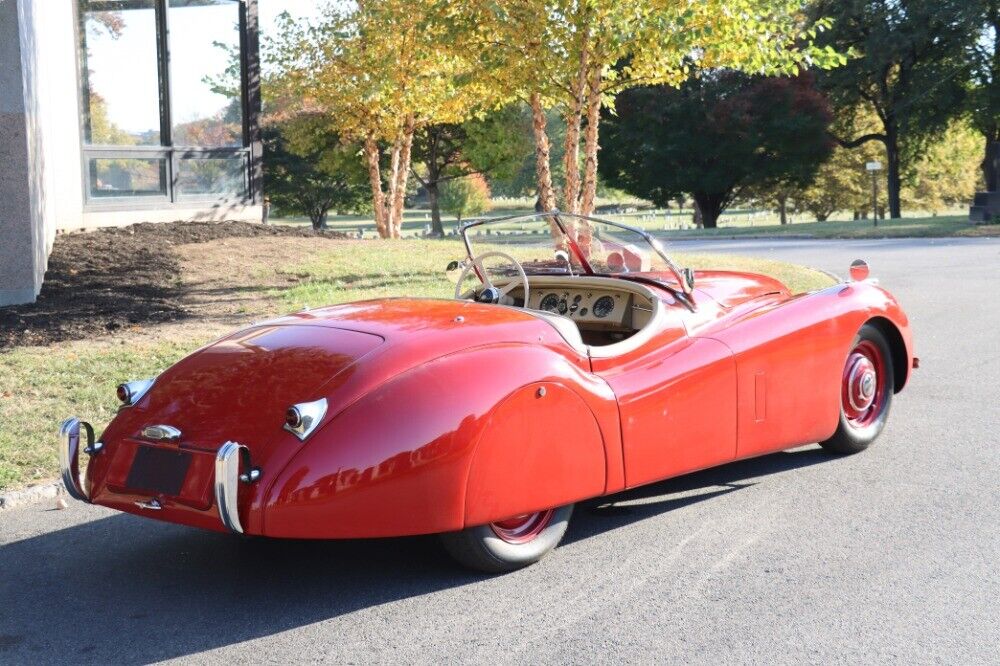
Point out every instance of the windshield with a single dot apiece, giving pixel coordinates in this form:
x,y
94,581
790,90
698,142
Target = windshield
x,y
547,243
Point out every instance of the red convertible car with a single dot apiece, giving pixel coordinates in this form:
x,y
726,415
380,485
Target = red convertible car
x,y
577,360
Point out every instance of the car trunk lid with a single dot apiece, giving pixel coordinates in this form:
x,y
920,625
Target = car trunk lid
x,y
236,389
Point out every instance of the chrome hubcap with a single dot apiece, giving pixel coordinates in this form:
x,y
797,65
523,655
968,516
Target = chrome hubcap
x,y
862,382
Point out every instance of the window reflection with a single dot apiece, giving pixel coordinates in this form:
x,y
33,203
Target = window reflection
x,y
127,177
211,176
204,46
120,76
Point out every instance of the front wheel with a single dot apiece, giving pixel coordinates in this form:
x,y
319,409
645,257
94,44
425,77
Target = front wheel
x,y
510,544
866,393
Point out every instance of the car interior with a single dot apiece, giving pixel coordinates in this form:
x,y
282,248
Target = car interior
x,y
597,316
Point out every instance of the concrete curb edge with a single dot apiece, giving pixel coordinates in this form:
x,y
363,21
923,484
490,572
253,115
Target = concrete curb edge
x,y
12,499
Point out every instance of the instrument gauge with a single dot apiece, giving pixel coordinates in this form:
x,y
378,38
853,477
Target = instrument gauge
x,y
604,306
550,303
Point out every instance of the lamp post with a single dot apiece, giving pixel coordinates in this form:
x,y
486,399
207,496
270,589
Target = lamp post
x,y
873,168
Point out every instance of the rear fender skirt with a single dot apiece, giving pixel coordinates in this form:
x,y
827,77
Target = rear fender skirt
x,y
540,448
399,460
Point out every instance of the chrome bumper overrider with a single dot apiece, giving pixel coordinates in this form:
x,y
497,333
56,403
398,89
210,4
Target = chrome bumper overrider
x,y
228,460
69,455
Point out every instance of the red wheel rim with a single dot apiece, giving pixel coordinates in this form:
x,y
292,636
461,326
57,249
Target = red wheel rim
x,y
523,528
864,386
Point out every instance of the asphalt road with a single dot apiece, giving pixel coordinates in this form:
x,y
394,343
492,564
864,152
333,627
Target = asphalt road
x,y
888,556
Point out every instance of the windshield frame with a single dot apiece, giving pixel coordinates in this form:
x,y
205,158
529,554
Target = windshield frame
x,y
680,274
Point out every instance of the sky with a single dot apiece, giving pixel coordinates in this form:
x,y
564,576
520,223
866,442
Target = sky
x,y
124,72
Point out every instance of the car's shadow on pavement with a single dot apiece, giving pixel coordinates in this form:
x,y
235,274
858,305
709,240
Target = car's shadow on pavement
x,y
123,589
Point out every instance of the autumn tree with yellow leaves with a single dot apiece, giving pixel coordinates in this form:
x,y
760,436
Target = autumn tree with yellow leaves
x,y
577,54
382,69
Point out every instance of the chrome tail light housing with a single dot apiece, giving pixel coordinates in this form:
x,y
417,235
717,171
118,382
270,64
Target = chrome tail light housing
x,y
130,393
303,418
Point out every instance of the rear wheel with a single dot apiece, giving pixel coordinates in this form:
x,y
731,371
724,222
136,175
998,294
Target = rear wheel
x,y
509,544
866,393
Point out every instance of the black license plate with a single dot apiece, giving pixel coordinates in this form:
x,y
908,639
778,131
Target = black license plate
x,y
158,470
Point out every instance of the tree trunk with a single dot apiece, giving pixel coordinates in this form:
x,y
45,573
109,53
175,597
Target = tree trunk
x,y
591,140
432,184
991,164
711,207
574,118
893,176
696,217
543,169
375,181
823,217
783,208
394,155
433,192
318,218
402,177
571,160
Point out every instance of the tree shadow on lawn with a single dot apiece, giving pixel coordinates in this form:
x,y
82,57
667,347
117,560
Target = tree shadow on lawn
x,y
127,589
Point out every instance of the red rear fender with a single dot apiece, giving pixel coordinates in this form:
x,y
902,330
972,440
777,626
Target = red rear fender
x,y
400,459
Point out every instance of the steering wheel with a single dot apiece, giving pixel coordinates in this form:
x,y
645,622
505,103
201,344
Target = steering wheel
x,y
492,294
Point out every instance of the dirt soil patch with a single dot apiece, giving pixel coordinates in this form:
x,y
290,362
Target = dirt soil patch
x,y
105,281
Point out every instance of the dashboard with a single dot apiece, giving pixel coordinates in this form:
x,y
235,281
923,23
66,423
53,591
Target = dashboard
x,y
597,308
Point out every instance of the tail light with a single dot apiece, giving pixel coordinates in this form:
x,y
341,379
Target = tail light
x,y
130,393
302,419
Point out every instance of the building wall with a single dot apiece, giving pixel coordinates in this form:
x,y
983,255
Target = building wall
x,y
40,171
41,162
20,271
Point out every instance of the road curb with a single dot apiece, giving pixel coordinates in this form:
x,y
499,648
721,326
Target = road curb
x,y
750,237
37,494
833,276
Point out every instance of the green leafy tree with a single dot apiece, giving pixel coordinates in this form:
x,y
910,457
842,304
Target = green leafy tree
x,y
843,183
493,146
466,196
575,55
715,137
309,171
943,175
907,64
984,53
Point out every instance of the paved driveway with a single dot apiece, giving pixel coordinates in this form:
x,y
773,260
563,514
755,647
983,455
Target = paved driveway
x,y
888,556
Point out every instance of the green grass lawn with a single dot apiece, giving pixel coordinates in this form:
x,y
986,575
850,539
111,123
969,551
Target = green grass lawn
x,y
346,272
923,227
677,224
43,385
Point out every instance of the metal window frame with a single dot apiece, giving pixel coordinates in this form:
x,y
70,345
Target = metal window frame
x,y
250,101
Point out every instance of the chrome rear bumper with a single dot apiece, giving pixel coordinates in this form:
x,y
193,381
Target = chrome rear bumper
x,y
232,467
69,455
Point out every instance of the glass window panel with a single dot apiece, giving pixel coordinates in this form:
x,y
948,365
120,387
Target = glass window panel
x,y
205,81
127,177
120,76
217,176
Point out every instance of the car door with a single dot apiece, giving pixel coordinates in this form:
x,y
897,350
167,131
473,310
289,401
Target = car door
x,y
677,402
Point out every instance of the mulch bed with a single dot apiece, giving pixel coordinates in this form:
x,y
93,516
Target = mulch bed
x,y
102,281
